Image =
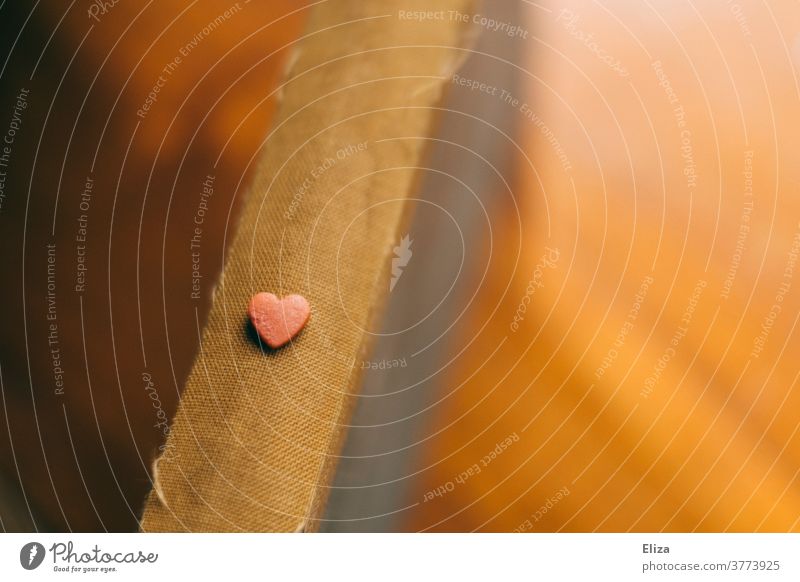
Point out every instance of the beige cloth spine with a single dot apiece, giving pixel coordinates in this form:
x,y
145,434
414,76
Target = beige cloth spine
x,y
255,438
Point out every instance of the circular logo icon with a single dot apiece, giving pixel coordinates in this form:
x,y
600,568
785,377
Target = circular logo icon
x,y
31,555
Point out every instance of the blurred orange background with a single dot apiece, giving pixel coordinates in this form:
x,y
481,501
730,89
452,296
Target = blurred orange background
x,y
644,390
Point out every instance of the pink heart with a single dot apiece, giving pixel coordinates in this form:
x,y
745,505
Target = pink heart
x,y
277,321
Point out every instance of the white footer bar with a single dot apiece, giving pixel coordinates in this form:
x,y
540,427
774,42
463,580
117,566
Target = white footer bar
x,y
415,557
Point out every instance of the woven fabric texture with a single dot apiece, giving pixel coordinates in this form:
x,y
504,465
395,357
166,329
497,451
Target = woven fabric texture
x,y
257,432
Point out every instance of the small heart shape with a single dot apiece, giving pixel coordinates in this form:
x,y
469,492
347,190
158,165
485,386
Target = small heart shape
x,y
277,321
